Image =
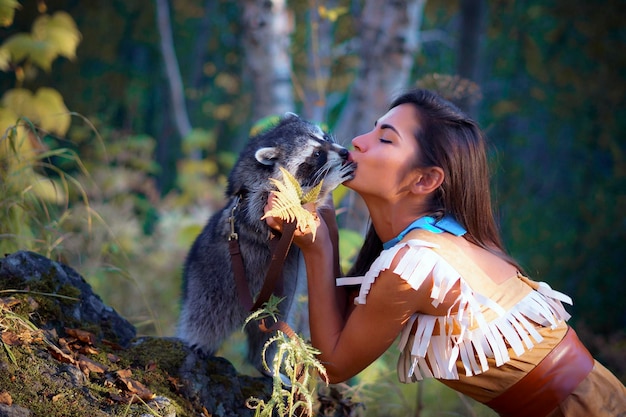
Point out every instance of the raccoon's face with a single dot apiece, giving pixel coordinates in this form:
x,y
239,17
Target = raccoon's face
x,y
302,148
309,154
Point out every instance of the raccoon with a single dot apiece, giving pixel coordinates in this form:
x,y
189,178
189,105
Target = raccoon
x,y
211,309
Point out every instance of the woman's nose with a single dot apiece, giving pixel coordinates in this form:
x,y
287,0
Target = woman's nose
x,y
357,143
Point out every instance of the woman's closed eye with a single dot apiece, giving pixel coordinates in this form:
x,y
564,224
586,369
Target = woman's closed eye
x,y
383,140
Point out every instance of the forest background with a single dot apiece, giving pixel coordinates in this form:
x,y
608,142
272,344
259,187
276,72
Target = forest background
x,y
120,121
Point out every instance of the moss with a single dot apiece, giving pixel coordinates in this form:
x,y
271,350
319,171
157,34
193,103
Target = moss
x,y
254,388
37,384
166,354
222,380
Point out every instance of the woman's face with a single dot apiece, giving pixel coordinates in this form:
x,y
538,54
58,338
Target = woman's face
x,y
384,154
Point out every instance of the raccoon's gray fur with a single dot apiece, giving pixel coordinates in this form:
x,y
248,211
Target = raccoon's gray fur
x,y
211,309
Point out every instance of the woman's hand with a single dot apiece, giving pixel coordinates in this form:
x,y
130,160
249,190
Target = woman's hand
x,y
303,238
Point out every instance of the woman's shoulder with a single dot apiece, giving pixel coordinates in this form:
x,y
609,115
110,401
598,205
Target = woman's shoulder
x,y
466,256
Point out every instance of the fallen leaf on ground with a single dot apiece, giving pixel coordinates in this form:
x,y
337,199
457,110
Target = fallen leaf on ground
x,y
87,365
5,398
82,335
133,386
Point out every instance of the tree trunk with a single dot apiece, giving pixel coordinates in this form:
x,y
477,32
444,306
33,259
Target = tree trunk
x,y
471,34
267,28
175,82
199,54
389,40
319,52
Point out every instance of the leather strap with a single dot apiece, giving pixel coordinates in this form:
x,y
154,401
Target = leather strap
x,y
274,272
549,383
239,273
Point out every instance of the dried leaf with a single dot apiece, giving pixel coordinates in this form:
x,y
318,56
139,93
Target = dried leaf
x,y
57,397
82,335
151,366
60,355
5,398
65,346
113,358
11,338
88,350
133,386
112,345
87,365
175,383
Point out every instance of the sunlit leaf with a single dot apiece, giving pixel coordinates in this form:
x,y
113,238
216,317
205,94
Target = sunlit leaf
x,y
198,139
264,124
53,114
7,11
223,111
45,108
331,14
5,59
192,167
8,118
228,82
23,46
60,31
19,100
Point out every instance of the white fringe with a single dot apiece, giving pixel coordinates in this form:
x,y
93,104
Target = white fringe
x,y
426,355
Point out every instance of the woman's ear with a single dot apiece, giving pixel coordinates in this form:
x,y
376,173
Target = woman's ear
x,y
428,180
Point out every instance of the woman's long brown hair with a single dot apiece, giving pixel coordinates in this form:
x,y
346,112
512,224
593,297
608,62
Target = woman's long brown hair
x,y
449,139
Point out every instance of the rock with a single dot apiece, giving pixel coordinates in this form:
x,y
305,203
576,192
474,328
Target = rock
x,y
88,361
36,273
13,411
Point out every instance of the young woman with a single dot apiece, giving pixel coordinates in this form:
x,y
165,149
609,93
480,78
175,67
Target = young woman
x,y
433,270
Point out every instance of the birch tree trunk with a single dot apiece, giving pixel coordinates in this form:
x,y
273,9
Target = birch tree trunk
x,y
389,40
267,28
319,53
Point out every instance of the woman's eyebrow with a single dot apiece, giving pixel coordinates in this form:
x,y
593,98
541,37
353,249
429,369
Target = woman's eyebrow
x,y
390,127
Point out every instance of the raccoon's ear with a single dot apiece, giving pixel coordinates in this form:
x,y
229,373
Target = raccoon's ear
x,y
266,156
290,115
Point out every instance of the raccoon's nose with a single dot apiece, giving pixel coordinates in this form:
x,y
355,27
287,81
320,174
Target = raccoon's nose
x,y
343,153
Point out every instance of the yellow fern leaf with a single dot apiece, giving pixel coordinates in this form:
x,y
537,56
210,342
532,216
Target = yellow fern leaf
x,y
312,194
288,200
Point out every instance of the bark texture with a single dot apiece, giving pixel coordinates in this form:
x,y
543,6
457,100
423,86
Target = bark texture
x,y
267,28
389,41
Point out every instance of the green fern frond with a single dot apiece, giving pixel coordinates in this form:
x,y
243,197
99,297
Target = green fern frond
x,y
297,360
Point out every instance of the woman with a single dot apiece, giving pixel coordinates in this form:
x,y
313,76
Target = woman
x,y
442,281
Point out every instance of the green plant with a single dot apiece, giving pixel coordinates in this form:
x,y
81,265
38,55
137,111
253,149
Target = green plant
x,y
296,359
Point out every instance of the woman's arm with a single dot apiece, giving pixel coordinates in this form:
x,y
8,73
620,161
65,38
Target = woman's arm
x,y
349,338
349,343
